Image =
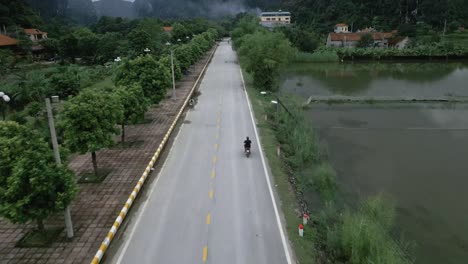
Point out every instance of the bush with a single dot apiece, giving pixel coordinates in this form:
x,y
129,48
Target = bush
x,y
66,82
324,181
365,235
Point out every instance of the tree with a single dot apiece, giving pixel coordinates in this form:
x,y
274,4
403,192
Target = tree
x,y
139,40
185,55
7,60
134,105
179,31
264,54
32,186
151,75
68,47
88,122
66,82
166,61
52,46
366,41
302,39
86,43
106,48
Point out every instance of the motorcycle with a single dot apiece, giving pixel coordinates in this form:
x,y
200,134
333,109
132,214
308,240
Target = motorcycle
x,y
247,152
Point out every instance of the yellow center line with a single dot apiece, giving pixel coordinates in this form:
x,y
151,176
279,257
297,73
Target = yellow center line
x,y
216,146
215,159
208,219
205,253
217,136
211,194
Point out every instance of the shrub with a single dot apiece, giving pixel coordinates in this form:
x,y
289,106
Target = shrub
x,y
324,181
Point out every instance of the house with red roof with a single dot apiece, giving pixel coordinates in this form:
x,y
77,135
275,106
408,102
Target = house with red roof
x,y
341,37
36,36
6,41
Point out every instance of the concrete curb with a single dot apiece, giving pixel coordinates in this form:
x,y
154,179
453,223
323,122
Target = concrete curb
x,y
118,221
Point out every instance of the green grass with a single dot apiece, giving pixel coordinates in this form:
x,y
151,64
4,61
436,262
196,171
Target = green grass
x,y
324,181
105,83
38,239
459,38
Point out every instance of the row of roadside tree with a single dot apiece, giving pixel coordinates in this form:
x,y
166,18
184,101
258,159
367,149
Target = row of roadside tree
x,y
32,186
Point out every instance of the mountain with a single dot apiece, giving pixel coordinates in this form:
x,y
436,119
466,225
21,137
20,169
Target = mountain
x,y
82,11
143,7
115,8
49,8
382,14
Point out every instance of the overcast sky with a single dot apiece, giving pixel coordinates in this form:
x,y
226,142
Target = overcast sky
x,y
124,0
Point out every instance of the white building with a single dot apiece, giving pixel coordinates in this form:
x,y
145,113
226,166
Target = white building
x,y
272,19
341,28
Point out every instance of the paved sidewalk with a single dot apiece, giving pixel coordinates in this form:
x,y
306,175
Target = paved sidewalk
x,y
97,205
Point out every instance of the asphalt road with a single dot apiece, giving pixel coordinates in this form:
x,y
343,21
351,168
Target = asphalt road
x,y
210,203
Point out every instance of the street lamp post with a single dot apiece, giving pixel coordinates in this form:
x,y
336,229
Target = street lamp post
x,y
172,68
4,98
53,135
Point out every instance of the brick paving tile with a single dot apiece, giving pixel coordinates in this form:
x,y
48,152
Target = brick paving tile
x,y
97,205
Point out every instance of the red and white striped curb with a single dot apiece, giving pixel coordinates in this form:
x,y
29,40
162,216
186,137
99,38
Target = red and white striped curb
x,y
110,235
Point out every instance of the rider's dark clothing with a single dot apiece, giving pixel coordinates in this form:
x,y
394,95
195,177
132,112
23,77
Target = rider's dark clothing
x,y
247,143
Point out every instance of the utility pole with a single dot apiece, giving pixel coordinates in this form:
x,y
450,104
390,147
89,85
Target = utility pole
x,y
53,135
173,77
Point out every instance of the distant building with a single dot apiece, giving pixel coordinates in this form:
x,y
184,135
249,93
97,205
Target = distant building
x,y
7,42
351,40
36,36
274,19
341,28
167,29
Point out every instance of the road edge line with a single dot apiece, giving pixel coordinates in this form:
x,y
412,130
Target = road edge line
x,y
124,211
278,219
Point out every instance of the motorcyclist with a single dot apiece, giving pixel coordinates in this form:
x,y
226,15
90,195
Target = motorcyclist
x,y
247,144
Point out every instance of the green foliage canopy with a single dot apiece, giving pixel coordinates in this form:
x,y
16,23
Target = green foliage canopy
x,y
32,186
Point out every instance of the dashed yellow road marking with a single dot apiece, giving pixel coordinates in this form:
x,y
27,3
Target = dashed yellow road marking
x,y
213,174
211,194
208,219
217,136
215,159
205,253
216,146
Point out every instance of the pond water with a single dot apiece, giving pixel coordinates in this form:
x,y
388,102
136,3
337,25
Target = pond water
x,y
416,153
378,79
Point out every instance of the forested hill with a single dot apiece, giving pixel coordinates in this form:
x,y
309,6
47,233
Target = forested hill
x,y
88,11
381,14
